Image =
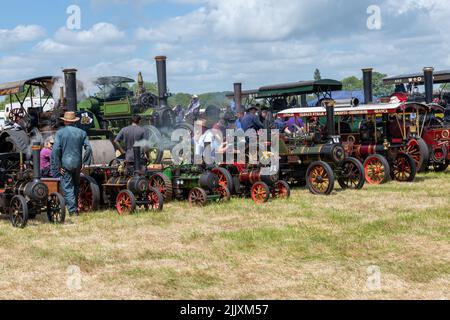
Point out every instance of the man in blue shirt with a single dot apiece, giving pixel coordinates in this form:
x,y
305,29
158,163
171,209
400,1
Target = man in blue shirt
x,y
251,120
67,159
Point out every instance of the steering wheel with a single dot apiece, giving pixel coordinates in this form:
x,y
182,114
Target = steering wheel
x,y
17,114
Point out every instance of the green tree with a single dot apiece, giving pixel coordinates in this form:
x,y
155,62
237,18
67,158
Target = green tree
x,y
352,83
317,75
380,89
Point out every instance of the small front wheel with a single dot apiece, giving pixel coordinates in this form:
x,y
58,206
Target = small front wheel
x,y
260,192
320,178
352,174
56,208
19,212
403,168
197,197
125,203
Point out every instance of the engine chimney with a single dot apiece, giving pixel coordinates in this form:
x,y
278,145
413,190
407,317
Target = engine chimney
x,y
70,79
330,119
238,96
137,160
161,72
36,153
428,78
368,86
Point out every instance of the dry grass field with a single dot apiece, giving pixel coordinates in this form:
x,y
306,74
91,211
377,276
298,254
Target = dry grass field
x,y
306,248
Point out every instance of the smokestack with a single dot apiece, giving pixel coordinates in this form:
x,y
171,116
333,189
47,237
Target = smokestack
x,y
137,159
70,79
161,71
238,96
368,86
330,119
36,153
428,78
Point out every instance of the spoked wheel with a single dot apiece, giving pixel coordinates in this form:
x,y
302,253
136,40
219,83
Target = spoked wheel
x,y
89,195
352,175
281,190
19,212
125,203
403,168
224,194
56,208
155,200
376,169
163,184
419,151
197,197
225,178
260,192
320,178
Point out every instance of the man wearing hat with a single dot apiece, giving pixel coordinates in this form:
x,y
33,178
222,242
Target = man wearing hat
x,y
67,158
194,107
251,120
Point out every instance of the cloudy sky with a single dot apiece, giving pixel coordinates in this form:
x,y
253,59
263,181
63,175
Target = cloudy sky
x,y
212,43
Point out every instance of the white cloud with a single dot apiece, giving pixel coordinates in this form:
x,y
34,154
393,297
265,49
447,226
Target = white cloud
x,y
10,38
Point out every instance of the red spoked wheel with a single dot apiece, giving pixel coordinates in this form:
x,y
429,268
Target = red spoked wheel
x,y
225,178
403,168
419,151
125,203
281,190
197,197
224,194
260,192
88,195
155,200
376,169
320,178
162,183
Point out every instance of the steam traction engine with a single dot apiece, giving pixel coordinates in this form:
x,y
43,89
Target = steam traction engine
x,y
125,188
23,194
251,181
194,183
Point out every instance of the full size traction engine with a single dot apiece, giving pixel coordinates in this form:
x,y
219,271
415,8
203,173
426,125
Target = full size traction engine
x,y
24,195
126,188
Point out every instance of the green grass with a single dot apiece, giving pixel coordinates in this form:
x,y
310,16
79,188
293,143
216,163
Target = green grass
x,y
306,247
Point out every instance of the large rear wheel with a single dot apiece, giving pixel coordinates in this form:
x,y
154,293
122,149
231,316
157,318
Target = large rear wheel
x,y
419,151
162,183
376,169
281,190
155,200
88,195
225,178
320,178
